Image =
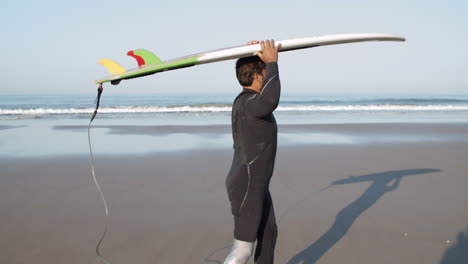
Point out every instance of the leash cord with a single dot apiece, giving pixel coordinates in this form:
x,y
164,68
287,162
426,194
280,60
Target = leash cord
x,y
100,256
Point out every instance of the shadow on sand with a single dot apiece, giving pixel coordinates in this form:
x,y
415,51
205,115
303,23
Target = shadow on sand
x,y
458,252
381,183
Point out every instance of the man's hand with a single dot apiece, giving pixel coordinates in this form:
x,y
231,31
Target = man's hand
x,y
269,52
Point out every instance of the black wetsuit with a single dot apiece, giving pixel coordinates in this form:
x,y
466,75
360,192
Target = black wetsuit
x,y
255,132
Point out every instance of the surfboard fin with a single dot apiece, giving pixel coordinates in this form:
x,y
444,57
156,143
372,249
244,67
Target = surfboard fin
x,y
144,57
113,67
139,59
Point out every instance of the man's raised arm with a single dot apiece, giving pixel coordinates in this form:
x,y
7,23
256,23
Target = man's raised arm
x,y
266,101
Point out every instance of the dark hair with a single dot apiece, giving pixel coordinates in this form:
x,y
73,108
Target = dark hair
x,y
246,69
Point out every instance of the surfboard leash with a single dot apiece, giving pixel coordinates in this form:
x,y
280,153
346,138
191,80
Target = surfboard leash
x,y
97,101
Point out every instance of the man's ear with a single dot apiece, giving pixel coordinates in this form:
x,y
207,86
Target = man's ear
x,y
257,76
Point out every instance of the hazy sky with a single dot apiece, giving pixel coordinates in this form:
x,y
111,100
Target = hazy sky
x,y
53,46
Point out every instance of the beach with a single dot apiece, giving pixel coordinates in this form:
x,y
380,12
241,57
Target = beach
x,y
343,193
99,165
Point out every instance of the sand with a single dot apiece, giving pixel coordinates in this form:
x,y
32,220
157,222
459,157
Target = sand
x,y
372,202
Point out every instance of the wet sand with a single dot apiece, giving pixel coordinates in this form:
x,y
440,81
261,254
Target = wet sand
x,y
371,202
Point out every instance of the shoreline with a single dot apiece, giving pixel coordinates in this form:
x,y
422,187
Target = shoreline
x,y
46,139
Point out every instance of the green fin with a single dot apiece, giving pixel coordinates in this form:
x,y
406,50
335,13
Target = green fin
x,y
150,58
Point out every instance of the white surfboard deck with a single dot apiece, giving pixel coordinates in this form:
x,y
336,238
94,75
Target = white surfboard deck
x,y
119,73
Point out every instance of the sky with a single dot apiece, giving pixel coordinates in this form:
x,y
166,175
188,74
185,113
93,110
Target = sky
x,y
51,47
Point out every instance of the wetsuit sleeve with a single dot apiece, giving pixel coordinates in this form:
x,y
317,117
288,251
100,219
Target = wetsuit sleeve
x,y
265,102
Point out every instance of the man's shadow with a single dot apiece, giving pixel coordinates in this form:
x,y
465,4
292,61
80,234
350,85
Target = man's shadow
x,y
381,183
458,252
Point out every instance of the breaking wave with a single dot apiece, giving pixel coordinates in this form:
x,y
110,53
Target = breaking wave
x,y
207,108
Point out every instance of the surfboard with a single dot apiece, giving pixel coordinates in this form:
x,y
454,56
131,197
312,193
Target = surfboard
x,y
148,63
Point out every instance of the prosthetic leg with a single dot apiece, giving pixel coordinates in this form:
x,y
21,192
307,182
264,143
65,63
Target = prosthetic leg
x,y
240,252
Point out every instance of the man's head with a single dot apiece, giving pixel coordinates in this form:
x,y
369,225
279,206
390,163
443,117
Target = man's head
x,y
249,71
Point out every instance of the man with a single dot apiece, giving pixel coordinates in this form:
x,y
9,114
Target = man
x,y
254,132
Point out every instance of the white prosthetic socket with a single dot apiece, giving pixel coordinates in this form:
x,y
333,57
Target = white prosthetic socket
x,y
240,252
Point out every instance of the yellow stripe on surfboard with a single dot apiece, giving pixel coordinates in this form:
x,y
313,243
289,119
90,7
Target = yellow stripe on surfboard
x,y
113,67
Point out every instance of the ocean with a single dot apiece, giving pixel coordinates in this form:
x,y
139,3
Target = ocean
x,y
215,108
43,125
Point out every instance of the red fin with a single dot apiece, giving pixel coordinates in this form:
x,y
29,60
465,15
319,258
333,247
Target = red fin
x,y
139,59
